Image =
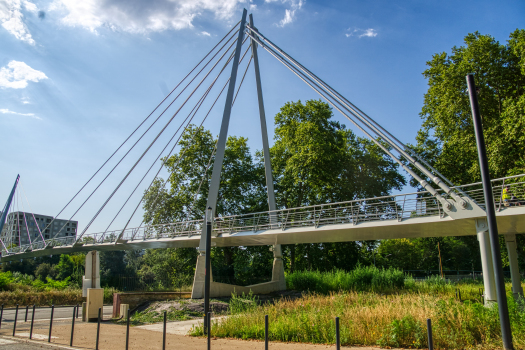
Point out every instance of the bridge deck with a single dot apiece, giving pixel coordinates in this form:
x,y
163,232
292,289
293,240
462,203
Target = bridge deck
x,y
401,216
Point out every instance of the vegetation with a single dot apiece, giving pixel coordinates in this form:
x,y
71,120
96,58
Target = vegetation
x,y
360,279
446,139
375,307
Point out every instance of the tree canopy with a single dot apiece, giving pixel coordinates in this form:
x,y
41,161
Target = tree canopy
x,y
446,138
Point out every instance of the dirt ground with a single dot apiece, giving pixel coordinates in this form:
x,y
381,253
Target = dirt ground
x,y
113,337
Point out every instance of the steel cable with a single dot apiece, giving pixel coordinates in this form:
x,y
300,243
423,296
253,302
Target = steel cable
x,y
371,122
152,206
194,111
309,82
144,133
138,127
151,144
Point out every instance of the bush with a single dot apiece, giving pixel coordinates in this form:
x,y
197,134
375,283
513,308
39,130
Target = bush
x,y
6,278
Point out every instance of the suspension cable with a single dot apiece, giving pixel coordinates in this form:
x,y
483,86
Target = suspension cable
x,y
122,144
153,204
205,176
151,144
144,133
378,129
317,88
32,213
243,76
194,112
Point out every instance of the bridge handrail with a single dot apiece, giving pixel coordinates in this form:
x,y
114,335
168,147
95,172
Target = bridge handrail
x,y
358,210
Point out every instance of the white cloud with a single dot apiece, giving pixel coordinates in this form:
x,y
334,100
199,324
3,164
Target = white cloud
x,y
11,18
139,16
16,75
7,111
205,33
289,14
360,33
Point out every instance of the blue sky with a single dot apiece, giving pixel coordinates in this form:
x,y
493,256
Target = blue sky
x,y
76,77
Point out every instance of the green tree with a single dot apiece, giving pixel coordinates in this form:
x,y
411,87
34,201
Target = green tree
x,y
317,160
111,266
168,265
446,138
241,190
65,267
45,270
190,173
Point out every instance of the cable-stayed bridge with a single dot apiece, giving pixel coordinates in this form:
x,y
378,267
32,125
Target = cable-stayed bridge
x,y
440,209
401,216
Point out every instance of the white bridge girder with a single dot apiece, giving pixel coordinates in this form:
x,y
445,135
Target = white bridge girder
x,y
510,221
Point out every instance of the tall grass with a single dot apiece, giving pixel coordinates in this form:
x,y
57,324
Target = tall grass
x,y
397,320
369,278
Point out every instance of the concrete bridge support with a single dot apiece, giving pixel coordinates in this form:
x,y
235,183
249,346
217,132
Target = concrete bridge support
x,y
517,289
489,281
217,289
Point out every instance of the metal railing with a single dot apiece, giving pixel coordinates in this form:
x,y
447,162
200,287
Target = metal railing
x,y
394,207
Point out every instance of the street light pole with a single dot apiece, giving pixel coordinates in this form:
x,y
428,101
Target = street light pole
x,y
506,333
207,270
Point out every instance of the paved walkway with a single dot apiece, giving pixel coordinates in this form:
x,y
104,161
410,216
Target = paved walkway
x,y
179,328
113,337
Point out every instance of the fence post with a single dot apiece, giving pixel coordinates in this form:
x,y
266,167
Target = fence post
x,y
337,335
51,323
1,315
127,331
73,325
16,316
164,332
98,327
32,321
77,310
265,332
429,331
27,310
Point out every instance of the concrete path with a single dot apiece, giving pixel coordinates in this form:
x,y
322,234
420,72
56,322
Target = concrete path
x,y
179,328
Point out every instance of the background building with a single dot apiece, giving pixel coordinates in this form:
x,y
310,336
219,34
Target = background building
x,y
16,232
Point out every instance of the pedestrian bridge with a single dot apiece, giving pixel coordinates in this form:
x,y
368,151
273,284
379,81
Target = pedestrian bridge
x,y
441,209
408,215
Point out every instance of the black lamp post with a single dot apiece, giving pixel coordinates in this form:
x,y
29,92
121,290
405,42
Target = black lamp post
x,y
506,333
207,271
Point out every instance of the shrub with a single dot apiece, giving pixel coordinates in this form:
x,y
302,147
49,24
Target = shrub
x,y
6,278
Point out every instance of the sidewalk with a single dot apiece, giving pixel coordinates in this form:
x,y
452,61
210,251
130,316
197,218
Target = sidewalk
x,y
113,337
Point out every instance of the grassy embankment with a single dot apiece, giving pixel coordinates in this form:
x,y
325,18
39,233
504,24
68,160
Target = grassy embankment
x,y
376,307
16,288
